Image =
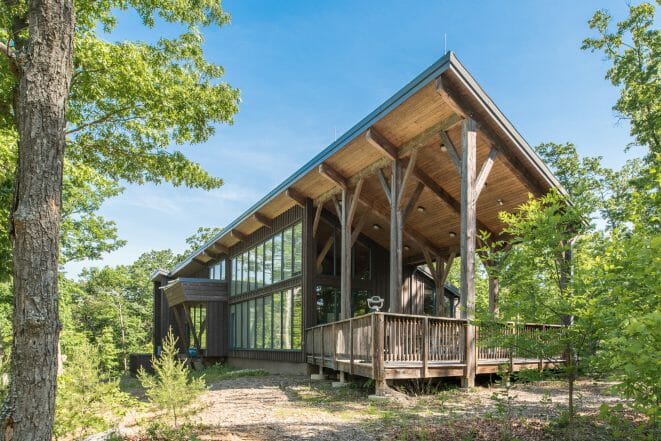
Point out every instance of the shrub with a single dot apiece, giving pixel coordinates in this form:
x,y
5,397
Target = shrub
x,y
172,387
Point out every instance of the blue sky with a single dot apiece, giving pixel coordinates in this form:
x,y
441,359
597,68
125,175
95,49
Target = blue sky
x,y
309,70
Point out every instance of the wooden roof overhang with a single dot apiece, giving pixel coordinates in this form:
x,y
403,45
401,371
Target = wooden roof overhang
x,y
194,291
421,125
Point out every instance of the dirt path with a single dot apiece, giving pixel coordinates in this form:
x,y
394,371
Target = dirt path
x,y
292,408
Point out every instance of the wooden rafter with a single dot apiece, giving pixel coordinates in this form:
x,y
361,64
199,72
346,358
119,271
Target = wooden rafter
x,y
404,150
239,235
379,141
446,197
218,248
511,162
333,175
296,196
263,220
445,96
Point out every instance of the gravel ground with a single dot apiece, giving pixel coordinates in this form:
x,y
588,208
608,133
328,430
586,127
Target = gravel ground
x,y
282,407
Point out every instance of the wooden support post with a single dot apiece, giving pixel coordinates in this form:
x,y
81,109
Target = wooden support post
x,y
396,238
467,242
345,258
425,347
351,346
321,365
378,363
335,339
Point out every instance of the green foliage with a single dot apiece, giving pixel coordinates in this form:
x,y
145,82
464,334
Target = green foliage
x,y
634,49
87,402
199,238
171,389
108,352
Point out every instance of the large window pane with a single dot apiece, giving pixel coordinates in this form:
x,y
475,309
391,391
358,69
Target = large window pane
x,y
297,331
268,262
361,262
259,326
259,266
233,284
288,253
232,326
328,304
244,329
239,326
277,320
277,258
360,302
251,324
429,304
268,322
244,275
251,269
286,319
298,248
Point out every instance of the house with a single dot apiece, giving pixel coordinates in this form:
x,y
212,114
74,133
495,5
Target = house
x,y
383,211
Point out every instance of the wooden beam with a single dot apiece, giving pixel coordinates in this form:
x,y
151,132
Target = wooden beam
x,y
265,221
484,171
396,238
359,227
405,179
317,218
379,141
413,200
384,184
446,197
510,160
239,235
324,252
218,248
451,150
190,323
297,197
445,96
404,150
355,196
211,255
333,175
345,258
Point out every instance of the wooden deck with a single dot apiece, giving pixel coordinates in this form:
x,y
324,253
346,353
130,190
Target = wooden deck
x,y
386,346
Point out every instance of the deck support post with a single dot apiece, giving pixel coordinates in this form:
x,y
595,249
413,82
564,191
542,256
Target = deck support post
x,y
467,243
378,362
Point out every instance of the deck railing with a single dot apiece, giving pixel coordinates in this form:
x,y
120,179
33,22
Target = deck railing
x,y
377,341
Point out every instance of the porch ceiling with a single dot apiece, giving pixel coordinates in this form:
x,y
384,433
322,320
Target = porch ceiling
x,y
413,120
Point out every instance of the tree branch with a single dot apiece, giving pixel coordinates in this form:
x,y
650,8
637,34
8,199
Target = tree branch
x,y
105,118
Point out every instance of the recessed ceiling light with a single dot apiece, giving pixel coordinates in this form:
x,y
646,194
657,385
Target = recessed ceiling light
x,y
443,148
376,227
406,248
453,234
500,202
421,209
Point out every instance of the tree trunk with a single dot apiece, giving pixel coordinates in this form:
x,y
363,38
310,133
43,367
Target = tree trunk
x,y
44,72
